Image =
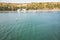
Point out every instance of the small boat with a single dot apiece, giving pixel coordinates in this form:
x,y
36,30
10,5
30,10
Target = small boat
x,y
23,10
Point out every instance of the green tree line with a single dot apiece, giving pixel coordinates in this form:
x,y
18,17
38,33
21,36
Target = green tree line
x,y
30,6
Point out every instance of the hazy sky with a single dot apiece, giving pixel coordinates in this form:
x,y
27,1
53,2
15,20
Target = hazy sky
x,y
25,1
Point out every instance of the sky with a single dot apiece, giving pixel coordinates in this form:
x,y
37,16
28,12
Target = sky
x,y
28,1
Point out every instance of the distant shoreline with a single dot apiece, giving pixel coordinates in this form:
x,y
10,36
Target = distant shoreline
x,y
34,6
45,10
34,10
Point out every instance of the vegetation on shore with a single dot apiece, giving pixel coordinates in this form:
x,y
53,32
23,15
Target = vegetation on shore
x,y
29,6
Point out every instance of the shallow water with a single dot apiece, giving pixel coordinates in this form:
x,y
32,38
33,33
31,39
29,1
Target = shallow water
x,y
30,25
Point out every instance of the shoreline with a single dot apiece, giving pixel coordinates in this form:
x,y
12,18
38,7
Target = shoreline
x,y
34,10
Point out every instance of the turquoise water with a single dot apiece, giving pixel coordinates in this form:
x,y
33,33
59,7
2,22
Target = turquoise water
x,y
30,25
